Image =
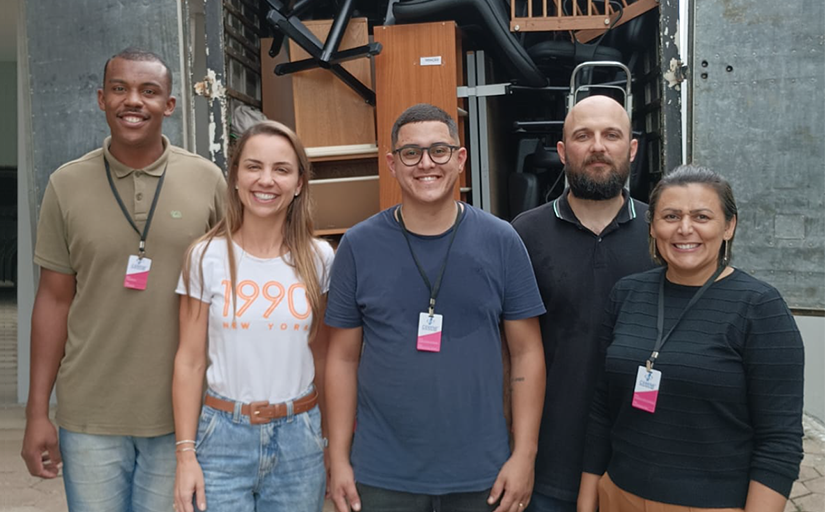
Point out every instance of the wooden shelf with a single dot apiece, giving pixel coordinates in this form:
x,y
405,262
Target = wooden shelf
x,y
343,202
335,125
330,232
338,153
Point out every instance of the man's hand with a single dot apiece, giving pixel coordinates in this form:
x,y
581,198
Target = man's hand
x,y
342,488
40,450
55,294
514,484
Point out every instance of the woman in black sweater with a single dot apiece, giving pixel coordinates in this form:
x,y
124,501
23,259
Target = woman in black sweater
x,y
701,401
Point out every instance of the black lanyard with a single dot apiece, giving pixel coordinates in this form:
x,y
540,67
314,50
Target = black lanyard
x,y
660,321
434,289
142,246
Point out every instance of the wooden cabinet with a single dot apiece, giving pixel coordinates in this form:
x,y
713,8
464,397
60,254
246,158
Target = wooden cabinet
x,y
419,63
335,124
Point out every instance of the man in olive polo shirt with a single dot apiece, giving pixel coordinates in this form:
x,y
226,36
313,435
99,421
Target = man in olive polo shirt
x,y
113,229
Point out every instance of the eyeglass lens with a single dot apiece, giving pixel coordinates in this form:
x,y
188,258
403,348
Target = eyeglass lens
x,y
439,153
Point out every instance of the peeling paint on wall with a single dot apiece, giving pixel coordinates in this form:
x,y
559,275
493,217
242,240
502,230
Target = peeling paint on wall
x,y
675,74
214,146
677,40
212,89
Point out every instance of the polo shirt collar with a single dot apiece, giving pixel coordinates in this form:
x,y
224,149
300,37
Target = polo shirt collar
x,y
563,211
121,171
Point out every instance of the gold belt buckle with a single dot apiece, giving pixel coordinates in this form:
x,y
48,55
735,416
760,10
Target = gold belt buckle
x,y
255,416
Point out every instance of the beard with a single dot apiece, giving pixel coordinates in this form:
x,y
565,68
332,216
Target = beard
x,y
585,185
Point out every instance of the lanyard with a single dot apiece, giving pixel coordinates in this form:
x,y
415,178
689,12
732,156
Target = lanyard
x,y
142,246
434,289
660,321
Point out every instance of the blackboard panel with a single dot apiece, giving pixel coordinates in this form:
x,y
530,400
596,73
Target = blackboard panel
x,y
758,78
68,44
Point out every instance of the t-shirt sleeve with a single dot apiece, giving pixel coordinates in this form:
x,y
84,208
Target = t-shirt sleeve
x,y
52,247
342,307
327,255
198,275
597,447
521,293
774,368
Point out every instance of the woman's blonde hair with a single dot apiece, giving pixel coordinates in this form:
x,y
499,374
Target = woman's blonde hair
x,y
298,228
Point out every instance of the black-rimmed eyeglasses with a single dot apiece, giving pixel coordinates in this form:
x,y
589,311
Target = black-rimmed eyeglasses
x,y
411,155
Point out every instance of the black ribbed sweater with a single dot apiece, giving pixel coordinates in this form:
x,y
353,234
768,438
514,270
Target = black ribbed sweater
x,y
730,401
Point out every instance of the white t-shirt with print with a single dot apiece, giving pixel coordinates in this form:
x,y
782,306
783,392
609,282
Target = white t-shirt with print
x,y
261,352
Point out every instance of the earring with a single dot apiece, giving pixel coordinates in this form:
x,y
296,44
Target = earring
x,y
296,194
726,254
236,187
654,251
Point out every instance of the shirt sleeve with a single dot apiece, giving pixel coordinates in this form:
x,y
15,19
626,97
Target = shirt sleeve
x,y
598,450
774,369
521,293
52,247
197,275
327,255
342,306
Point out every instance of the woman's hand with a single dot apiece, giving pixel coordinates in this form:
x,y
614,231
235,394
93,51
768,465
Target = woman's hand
x,y
189,482
588,493
762,498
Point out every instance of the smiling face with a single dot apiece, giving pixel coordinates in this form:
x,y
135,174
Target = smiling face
x,y
268,176
136,99
427,182
689,227
597,148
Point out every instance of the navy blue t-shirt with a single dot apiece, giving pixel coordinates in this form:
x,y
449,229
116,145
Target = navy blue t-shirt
x,y
431,423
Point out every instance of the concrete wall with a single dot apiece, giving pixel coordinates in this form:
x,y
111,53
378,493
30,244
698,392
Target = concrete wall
x,y
59,71
25,207
8,114
813,334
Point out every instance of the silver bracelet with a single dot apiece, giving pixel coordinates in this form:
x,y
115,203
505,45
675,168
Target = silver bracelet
x,y
181,450
185,441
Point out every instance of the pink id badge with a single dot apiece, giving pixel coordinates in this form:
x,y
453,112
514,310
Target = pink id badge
x,y
137,273
646,391
429,332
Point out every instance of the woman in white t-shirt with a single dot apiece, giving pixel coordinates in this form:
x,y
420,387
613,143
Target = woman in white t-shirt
x,y
253,291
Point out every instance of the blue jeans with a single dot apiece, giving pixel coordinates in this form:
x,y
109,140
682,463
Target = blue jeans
x,y
543,503
118,473
375,499
276,466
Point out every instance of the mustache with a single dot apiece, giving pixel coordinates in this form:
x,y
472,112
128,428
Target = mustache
x,y
601,159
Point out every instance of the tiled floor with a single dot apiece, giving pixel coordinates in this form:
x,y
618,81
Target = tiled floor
x,y
20,492
8,344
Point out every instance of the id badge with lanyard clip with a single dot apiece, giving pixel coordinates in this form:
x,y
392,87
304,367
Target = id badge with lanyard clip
x,y
648,380
138,265
430,324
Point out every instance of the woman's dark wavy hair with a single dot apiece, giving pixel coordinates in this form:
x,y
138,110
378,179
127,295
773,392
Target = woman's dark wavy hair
x,y
685,175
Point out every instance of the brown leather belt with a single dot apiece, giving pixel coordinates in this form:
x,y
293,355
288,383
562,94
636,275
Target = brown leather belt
x,y
264,412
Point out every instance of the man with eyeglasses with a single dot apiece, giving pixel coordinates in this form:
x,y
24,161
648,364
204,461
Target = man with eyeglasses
x,y
424,287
